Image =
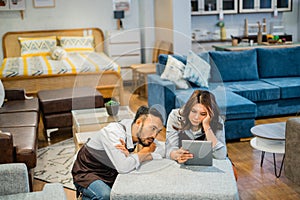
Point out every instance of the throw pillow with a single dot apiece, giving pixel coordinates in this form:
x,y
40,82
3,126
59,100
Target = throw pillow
x,y
197,70
174,72
2,94
58,53
77,43
37,46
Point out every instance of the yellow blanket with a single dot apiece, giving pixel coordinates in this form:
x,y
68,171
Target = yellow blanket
x,y
42,65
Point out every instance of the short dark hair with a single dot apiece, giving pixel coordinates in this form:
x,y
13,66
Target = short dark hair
x,y
144,110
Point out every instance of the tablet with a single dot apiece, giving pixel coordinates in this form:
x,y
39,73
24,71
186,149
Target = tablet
x,y
202,151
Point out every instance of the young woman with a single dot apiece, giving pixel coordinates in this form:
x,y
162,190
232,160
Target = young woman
x,y
198,119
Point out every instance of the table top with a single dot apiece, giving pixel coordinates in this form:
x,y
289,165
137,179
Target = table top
x,y
271,146
100,116
272,131
247,47
166,179
146,70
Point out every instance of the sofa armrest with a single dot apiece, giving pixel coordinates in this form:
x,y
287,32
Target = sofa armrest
x,y
54,191
14,94
6,147
161,92
13,179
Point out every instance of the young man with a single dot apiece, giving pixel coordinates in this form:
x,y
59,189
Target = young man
x,y
107,154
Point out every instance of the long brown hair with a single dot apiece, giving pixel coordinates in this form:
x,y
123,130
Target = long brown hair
x,y
207,99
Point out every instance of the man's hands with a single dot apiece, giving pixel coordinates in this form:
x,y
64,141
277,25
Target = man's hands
x,y
122,147
144,151
181,155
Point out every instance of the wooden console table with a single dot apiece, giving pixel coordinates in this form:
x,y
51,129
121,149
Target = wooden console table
x,y
247,47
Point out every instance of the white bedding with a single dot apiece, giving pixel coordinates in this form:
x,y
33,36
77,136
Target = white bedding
x,y
44,65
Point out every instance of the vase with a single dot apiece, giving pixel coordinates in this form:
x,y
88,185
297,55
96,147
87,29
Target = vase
x,y
259,37
223,33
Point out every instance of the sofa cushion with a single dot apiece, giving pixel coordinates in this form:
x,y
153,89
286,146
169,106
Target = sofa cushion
x,y
197,70
19,119
235,66
289,87
254,90
25,144
278,62
67,99
163,58
20,106
232,105
174,72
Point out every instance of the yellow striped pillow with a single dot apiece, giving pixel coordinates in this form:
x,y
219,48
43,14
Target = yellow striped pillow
x,y
37,46
77,43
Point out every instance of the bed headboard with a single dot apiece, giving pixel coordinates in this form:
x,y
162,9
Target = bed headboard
x,y
11,45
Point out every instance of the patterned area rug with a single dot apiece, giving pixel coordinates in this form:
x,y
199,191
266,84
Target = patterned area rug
x,y
55,162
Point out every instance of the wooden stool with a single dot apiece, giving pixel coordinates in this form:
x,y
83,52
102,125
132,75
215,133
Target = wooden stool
x,y
142,74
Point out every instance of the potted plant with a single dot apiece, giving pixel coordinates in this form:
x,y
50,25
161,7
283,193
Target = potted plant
x,y
112,107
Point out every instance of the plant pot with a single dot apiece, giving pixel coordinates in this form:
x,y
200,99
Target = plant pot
x,y
112,110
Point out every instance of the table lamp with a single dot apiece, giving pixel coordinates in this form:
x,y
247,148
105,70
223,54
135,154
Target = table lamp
x,y
119,14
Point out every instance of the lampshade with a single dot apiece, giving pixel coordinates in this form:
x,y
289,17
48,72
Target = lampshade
x,y
118,14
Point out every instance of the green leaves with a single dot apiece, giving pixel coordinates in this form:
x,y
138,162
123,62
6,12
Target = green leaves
x,y
112,103
220,24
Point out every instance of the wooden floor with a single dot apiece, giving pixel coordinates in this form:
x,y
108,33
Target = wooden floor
x,y
253,181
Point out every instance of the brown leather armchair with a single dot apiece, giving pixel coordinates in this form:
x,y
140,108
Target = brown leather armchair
x,y
19,119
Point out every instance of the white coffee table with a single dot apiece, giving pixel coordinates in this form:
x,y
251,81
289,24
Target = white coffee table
x,y
270,138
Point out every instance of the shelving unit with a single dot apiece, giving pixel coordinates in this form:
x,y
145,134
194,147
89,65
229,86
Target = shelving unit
x,y
209,7
13,5
124,47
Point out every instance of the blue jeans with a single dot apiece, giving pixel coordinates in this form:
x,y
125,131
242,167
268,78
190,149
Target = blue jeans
x,y
97,190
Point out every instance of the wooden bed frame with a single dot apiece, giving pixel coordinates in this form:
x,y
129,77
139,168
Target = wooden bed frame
x,y
109,83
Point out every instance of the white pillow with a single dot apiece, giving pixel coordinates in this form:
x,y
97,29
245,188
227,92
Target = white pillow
x,y
174,72
2,94
58,53
197,70
37,46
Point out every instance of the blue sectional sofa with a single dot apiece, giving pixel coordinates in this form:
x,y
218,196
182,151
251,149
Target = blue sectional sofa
x,y
248,85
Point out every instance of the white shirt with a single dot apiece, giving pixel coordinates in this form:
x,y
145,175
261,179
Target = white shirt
x,y
172,141
108,137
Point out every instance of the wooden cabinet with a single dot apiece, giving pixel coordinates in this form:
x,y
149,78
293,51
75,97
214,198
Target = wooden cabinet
x,y
207,7
124,47
250,6
283,5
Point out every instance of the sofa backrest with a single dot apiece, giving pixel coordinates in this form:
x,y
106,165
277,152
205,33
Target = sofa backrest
x,y
234,66
281,62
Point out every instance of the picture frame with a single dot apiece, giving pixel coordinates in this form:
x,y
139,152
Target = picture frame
x,y
43,3
121,5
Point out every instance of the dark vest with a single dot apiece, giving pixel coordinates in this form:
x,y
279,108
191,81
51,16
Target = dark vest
x,y
88,169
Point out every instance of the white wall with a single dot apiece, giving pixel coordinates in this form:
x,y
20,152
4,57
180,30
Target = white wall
x,y
182,27
173,24
67,14
146,21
